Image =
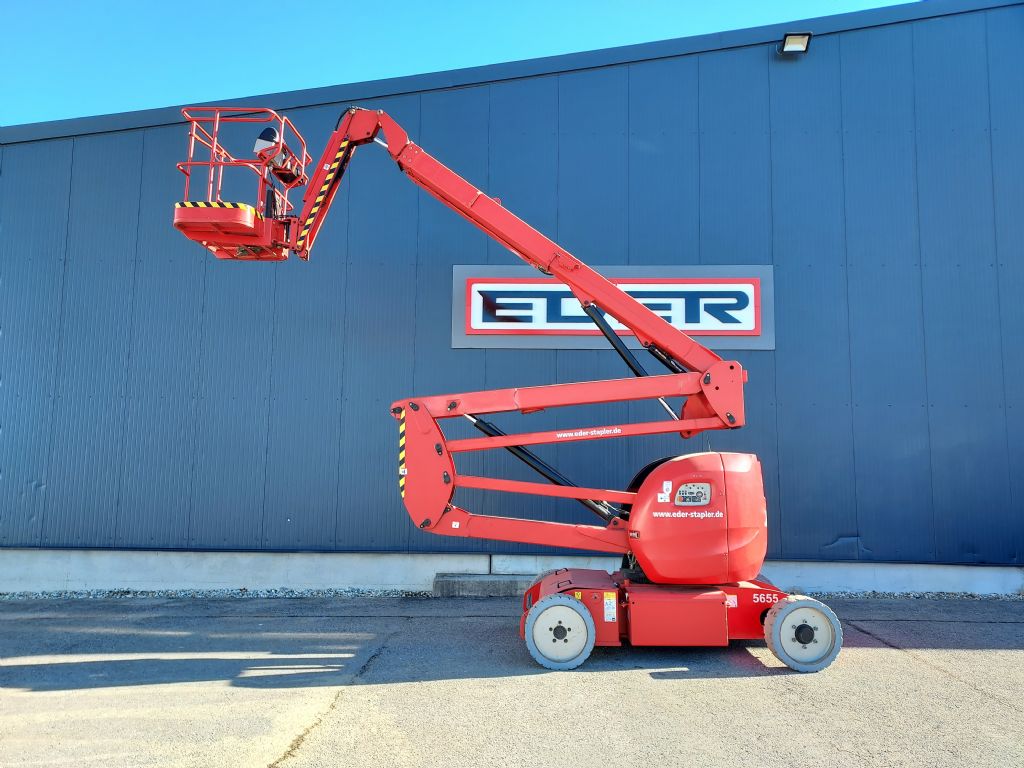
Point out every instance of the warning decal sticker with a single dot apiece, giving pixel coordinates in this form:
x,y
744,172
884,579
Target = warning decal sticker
x,y
610,609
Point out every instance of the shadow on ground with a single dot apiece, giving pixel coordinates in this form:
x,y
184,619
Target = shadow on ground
x,y
54,646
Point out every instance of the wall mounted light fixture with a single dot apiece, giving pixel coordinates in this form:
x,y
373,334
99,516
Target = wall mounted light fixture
x,y
794,43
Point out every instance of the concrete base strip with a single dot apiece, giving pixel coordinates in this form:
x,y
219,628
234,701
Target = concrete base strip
x,y
481,584
66,570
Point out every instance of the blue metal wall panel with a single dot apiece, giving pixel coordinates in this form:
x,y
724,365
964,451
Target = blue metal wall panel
x,y
812,355
36,183
154,397
233,406
87,430
380,348
1005,38
890,392
735,157
663,162
960,288
300,500
163,367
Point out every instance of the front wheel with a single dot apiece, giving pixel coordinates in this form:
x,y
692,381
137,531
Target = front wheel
x,y
803,633
560,632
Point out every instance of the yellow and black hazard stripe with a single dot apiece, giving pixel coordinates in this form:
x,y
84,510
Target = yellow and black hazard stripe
x,y
332,172
401,454
217,204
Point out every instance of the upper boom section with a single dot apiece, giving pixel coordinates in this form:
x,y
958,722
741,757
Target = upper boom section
x,y
361,126
269,230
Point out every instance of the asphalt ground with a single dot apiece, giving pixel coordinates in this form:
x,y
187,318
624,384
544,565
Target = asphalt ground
x,y
447,682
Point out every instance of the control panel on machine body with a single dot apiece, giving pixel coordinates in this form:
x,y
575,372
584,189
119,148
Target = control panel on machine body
x,y
693,495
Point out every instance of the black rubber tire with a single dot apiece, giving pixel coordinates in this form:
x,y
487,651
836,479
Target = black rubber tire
x,y
774,625
576,606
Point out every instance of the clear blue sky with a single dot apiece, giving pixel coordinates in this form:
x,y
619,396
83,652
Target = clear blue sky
x,y
70,58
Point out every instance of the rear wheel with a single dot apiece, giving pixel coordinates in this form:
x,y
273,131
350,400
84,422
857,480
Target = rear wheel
x,y
803,633
560,632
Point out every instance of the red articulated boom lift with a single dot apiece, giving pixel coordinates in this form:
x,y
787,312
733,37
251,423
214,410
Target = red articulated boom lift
x,y
692,529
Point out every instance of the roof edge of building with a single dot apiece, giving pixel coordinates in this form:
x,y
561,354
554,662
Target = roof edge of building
x,y
550,65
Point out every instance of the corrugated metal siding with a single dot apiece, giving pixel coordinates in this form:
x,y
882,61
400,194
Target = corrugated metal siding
x,y
812,369
963,348
36,183
890,423
87,428
1004,36
307,369
163,374
380,350
152,397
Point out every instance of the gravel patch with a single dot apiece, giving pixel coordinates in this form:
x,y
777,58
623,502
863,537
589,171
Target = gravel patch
x,y
206,594
912,596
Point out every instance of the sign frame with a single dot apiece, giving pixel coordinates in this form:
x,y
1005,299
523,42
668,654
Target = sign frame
x,y
463,273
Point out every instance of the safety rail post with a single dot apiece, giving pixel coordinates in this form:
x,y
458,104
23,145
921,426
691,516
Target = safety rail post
x,y
220,178
186,167
213,154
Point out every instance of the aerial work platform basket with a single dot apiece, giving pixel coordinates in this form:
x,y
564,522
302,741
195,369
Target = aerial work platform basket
x,y
258,231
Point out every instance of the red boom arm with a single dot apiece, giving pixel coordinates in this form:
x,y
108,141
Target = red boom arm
x,y
713,388
360,126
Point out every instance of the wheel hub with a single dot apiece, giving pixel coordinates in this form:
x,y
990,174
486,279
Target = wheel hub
x,y
559,633
807,635
804,634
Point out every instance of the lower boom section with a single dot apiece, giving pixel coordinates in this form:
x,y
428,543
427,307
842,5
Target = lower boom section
x,y
458,522
566,613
